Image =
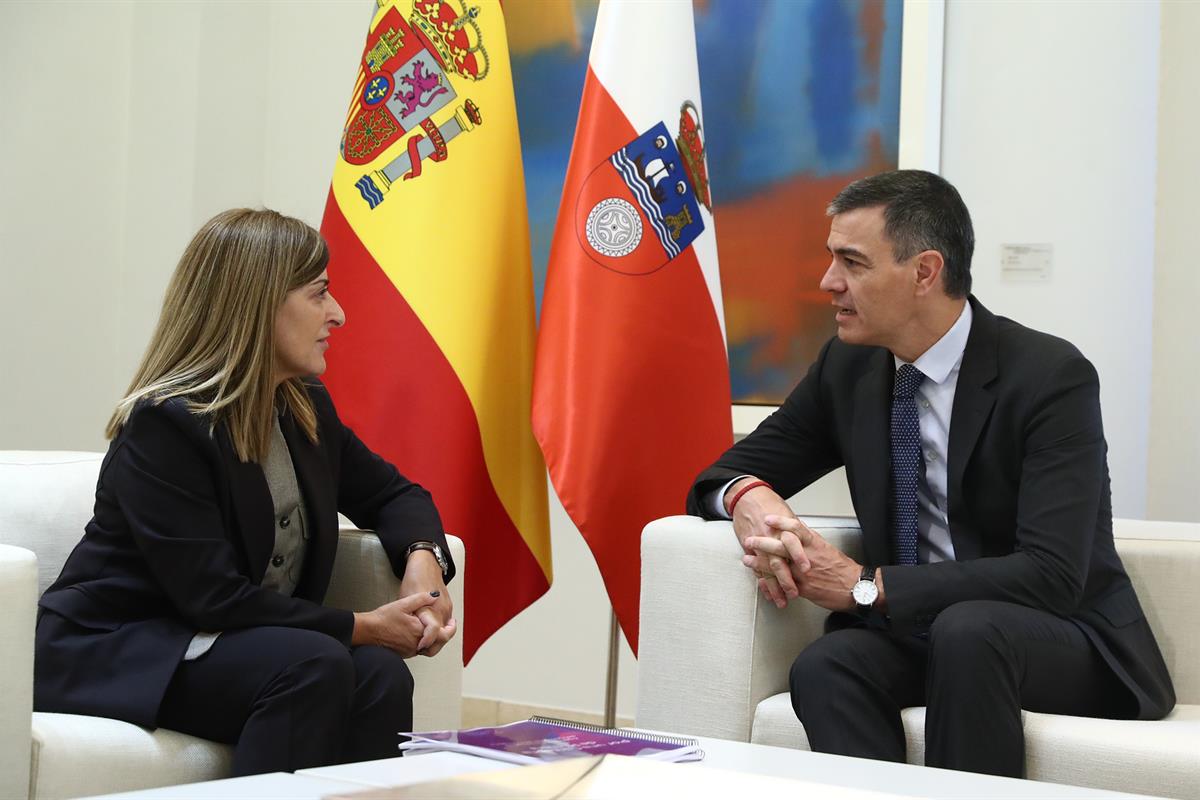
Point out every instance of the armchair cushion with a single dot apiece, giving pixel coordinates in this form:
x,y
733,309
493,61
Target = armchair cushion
x,y
76,755
18,598
46,498
1076,750
705,633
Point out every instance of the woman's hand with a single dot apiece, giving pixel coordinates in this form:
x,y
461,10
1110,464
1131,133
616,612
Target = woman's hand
x,y
423,574
394,625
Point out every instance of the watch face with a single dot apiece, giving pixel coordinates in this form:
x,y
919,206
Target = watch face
x,y
440,557
865,593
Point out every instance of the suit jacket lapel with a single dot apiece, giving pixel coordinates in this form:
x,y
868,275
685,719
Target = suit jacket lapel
x,y
870,454
320,504
973,404
252,504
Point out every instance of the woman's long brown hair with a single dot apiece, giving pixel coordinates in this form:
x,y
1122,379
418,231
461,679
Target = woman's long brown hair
x,y
214,343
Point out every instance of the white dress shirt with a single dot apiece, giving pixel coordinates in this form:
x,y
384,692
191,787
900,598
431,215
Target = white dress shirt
x,y
940,365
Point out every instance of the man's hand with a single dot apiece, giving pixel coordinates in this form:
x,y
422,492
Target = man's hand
x,y
423,574
393,625
749,520
803,562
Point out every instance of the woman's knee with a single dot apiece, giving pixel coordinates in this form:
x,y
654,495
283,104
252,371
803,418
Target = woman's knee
x,y
385,669
314,663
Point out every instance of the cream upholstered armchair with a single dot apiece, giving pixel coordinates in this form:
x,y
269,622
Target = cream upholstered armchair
x,y
713,656
46,499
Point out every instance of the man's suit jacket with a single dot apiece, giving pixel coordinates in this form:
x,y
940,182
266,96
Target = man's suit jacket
x,y
1027,491
180,541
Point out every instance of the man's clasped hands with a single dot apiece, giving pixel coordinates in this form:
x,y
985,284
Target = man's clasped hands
x,y
790,559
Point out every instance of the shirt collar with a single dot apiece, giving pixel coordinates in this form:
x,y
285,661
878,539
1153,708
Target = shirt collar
x,y
939,361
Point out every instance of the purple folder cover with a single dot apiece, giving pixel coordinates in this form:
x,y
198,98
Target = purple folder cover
x,y
543,741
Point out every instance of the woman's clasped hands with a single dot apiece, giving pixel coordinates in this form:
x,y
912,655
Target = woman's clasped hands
x,y
420,622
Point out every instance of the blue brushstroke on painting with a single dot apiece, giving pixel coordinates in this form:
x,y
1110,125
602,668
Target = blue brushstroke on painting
x,y
888,108
548,84
832,56
793,93
726,89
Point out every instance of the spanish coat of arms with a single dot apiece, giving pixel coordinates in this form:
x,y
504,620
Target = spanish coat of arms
x,y
411,70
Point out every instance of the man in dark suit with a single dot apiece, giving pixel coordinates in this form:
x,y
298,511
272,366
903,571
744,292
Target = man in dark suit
x,y
976,461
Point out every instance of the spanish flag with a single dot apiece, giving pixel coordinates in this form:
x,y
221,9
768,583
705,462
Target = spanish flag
x,y
430,258
631,387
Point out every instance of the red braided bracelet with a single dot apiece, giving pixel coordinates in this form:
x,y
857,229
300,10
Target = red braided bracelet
x,y
743,490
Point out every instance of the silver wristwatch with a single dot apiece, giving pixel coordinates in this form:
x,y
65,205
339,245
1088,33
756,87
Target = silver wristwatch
x,y
438,555
865,592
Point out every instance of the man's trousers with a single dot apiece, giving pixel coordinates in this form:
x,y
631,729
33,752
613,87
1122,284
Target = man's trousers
x,y
982,662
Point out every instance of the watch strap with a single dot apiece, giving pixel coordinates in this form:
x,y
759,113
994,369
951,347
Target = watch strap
x,y
438,555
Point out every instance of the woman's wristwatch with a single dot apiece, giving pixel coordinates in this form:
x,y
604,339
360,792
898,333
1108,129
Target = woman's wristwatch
x,y
438,556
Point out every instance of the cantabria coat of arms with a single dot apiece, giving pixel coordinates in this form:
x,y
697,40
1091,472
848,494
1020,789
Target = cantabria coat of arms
x,y
640,208
414,71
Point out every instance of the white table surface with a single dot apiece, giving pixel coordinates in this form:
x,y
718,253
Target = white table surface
x,y
881,776
407,770
778,762
271,786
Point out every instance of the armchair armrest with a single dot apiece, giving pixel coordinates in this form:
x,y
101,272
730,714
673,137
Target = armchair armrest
x,y
18,598
711,648
362,580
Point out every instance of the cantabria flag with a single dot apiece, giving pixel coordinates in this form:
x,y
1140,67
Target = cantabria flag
x,y
631,387
430,259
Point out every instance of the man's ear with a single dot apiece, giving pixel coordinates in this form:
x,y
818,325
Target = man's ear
x,y
929,272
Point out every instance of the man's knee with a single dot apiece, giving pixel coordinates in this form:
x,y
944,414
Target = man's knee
x,y
808,670
970,630
814,673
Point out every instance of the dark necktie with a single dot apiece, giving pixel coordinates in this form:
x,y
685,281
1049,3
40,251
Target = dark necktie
x,y
906,462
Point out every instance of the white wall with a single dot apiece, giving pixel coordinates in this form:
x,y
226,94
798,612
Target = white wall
x,y
125,126
64,132
174,111
1049,132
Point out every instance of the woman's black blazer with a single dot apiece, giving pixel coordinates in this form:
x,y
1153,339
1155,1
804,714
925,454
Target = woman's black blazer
x,y
180,540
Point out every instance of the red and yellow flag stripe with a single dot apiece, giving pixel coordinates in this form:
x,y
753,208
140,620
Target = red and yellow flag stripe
x,y
434,366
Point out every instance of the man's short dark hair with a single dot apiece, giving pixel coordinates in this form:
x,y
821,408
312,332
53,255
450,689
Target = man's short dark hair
x,y
921,211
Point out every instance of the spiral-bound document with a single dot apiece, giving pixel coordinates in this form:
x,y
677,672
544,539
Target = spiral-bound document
x,y
543,739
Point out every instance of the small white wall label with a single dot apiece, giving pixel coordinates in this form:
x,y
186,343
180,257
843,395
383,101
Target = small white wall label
x,y
1026,263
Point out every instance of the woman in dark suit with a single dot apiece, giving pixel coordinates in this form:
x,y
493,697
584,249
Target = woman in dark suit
x,y
193,601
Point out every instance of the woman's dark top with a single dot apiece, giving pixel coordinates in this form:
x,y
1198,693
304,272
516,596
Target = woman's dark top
x,y
182,535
